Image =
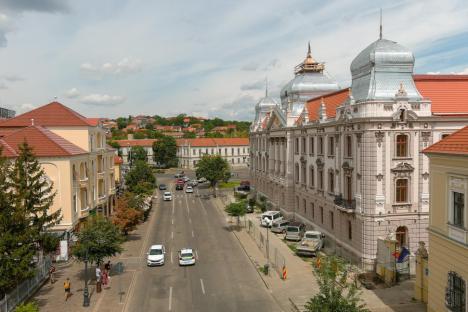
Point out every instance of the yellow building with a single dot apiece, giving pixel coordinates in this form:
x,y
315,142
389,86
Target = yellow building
x,y
448,226
73,153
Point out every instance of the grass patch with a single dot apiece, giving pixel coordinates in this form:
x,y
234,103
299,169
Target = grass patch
x,y
229,184
291,246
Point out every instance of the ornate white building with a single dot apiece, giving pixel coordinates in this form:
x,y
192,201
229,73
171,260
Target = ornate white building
x,y
347,162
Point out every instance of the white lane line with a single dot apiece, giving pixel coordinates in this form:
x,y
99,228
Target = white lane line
x,y
202,286
172,235
193,234
172,221
196,254
170,298
190,220
171,258
203,206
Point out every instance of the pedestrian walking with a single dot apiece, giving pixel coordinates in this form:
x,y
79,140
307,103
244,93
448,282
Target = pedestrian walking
x,y
107,267
105,278
67,287
52,274
98,279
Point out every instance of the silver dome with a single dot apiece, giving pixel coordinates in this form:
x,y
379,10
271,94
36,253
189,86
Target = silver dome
x,y
380,69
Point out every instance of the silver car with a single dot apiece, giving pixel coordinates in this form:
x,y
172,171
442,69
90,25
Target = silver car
x,y
279,226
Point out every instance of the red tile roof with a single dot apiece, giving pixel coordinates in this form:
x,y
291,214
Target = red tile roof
x,y
6,150
52,114
212,142
94,121
448,93
117,160
331,100
136,142
45,143
456,143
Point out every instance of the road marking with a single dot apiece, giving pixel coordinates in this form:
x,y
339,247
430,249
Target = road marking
x,y
202,286
193,201
172,221
190,220
170,298
196,254
203,206
172,234
193,234
171,258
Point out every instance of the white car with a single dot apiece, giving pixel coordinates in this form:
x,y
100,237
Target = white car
x,y
186,257
155,255
189,189
167,196
267,218
186,179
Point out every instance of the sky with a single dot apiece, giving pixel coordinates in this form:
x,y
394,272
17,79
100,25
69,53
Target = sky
x,y
111,58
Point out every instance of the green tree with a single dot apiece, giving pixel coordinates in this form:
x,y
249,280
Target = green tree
x,y
189,135
25,199
98,239
214,135
165,151
139,135
214,168
121,122
236,209
126,218
149,126
114,144
140,173
137,153
337,291
27,307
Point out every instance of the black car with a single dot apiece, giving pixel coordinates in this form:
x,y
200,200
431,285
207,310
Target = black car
x,y
179,187
162,187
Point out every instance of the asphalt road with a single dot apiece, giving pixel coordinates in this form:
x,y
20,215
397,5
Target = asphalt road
x,y
223,278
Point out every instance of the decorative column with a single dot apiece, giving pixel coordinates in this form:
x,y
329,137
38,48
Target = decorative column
x,y
379,195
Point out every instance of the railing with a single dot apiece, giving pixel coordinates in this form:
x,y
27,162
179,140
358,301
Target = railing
x,y
84,182
342,203
27,288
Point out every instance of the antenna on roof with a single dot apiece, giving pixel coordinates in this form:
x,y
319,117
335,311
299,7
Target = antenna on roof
x,y
380,35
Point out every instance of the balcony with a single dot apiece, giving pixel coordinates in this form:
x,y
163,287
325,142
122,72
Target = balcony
x,y
84,182
344,204
101,199
84,212
100,174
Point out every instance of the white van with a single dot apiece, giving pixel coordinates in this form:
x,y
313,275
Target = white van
x,y
268,217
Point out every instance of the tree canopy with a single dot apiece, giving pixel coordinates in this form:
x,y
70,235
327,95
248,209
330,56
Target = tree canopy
x,y
338,292
138,153
165,151
126,217
98,239
236,209
139,176
214,168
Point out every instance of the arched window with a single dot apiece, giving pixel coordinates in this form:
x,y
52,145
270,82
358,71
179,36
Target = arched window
x,y
401,193
311,176
402,145
320,179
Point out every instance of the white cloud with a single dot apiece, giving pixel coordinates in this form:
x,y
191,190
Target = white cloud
x,y
102,99
257,85
73,93
123,67
25,107
463,72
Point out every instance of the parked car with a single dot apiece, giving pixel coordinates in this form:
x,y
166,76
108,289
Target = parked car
x,y
268,217
280,226
311,244
186,257
188,189
155,255
167,196
185,179
179,187
193,183
179,175
162,187
249,208
294,231
201,180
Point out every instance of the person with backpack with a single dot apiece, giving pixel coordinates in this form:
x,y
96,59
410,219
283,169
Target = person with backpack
x,y
67,286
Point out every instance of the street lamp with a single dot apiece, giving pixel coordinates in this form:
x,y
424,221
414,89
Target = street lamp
x,y
85,291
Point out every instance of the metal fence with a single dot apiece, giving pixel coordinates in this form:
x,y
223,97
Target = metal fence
x,y
261,238
27,288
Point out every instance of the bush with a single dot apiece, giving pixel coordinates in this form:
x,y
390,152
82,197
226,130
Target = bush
x,y
27,307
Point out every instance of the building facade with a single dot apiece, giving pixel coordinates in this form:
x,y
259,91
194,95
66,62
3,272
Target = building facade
x,y
347,161
236,151
448,226
6,113
125,148
73,153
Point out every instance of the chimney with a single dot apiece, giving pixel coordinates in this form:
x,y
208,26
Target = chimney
x,y
32,121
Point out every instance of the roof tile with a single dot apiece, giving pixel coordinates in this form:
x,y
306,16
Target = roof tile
x,y
456,143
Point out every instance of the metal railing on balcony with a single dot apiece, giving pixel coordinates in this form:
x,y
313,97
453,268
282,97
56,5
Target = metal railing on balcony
x,y
348,204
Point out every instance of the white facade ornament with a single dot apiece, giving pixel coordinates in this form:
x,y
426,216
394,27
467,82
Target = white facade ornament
x,y
322,113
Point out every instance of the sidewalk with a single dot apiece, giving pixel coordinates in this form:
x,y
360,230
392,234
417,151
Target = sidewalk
x,y
301,283
51,297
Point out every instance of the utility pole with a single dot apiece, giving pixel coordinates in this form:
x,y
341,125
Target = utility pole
x,y
86,291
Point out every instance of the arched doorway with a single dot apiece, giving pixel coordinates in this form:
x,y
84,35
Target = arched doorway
x,y
401,235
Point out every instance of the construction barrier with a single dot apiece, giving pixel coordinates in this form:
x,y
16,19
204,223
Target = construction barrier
x,y
285,273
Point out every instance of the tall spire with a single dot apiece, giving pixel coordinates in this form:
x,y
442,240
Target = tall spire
x,y
309,54
380,34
